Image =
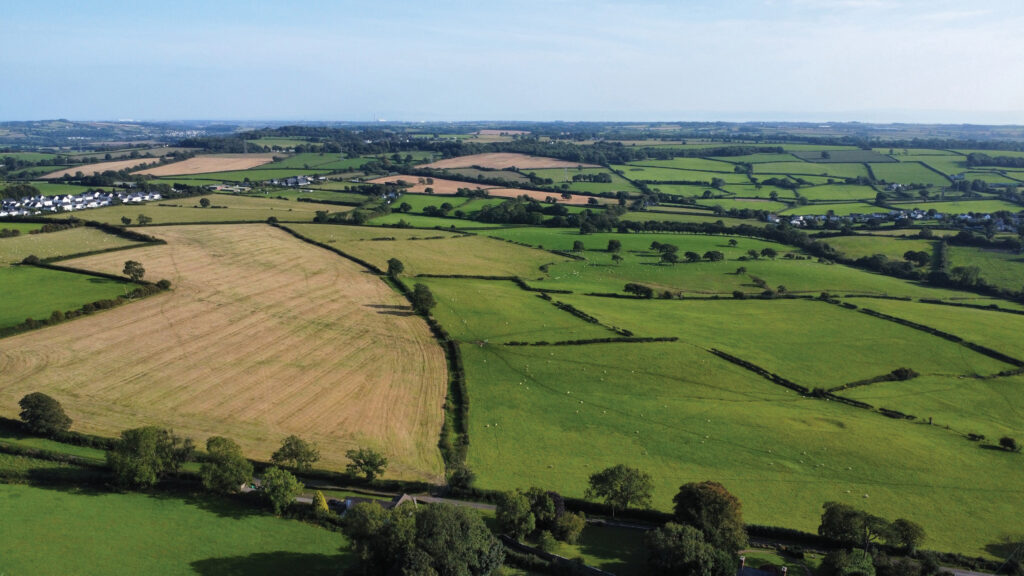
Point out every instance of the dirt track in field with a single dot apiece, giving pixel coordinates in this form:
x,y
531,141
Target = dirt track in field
x,y
90,169
261,337
502,160
213,163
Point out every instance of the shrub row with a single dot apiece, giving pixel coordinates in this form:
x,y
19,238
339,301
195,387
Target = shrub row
x,y
32,261
594,341
355,259
991,307
761,372
126,233
897,414
894,376
331,202
946,336
57,317
569,255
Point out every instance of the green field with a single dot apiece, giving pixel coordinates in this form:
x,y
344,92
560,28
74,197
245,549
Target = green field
x,y
729,204
700,164
961,207
840,156
59,531
688,190
314,161
753,191
801,168
497,174
894,248
655,174
23,227
829,192
429,221
280,142
54,244
562,176
238,209
31,292
997,267
838,209
431,252
256,174
758,158
53,189
908,173
693,216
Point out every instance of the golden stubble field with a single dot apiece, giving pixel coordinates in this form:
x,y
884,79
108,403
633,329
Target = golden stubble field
x,y
210,163
261,337
90,169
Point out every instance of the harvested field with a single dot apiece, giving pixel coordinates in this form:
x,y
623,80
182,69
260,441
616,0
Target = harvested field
x,y
90,169
262,336
440,185
212,163
502,160
574,199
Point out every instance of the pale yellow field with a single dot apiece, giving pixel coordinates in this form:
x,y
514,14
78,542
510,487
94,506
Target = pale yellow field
x,y
262,336
441,186
574,199
502,160
211,163
90,169
465,255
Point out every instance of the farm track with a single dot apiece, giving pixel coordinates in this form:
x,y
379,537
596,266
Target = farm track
x,y
262,336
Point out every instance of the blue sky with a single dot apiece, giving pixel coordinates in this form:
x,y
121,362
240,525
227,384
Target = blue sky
x,y
814,60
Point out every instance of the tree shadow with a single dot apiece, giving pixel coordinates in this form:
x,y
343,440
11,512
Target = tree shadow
x,y
72,480
235,507
1008,546
273,563
388,306
397,313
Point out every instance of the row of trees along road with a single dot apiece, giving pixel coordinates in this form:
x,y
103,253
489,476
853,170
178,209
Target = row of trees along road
x,y
142,457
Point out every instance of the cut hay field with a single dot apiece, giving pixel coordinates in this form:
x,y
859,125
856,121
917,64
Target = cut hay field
x,y
54,244
210,163
90,169
51,530
502,160
262,336
573,200
236,209
440,185
30,292
426,253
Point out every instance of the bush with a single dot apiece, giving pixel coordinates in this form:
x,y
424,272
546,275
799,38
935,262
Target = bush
x,y
164,284
569,527
1008,443
547,542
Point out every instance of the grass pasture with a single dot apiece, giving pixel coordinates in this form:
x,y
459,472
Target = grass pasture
x,y
831,192
802,168
256,341
502,160
908,173
893,248
998,267
433,252
30,292
961,206
658,174
60,531
56,244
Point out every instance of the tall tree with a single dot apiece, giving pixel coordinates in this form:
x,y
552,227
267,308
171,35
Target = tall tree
x,y
395,267
134,270
226,468
281,488
676,549
296,453
710,508
620,486
367,462
422,299
514,515
142,456
43,415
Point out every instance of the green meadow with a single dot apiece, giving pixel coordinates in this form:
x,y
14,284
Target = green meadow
x,y
800,168
908,173
998,267
60,531
893,248
31,292
829,192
